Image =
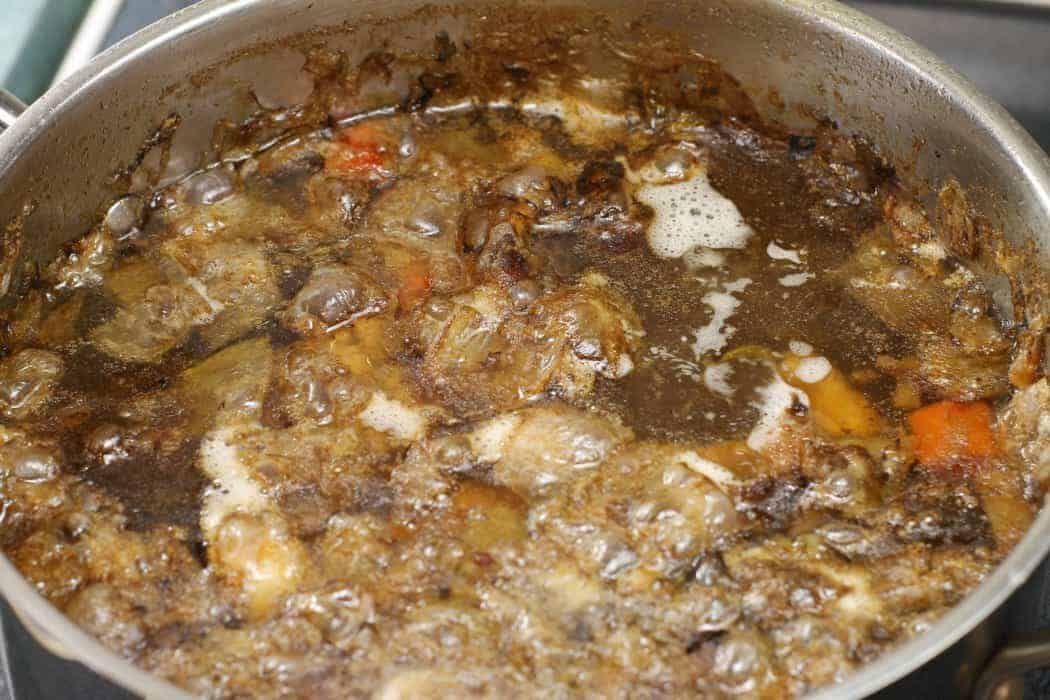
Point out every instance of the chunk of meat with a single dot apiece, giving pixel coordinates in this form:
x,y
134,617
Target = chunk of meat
x,y
537,448
250,545
902,296
644,508
1024,426
311,384
227,387
532,450
784,577
1032,357
237,283
530,185
102,611
934,511
81,539
333,296
948,371
504,257
480,355
600,206
957,226
223,291
157,308
417,220
601,328
962,349
254,553
842,478
606,209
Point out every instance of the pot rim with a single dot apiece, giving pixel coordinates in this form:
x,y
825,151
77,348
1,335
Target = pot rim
x,y
60,636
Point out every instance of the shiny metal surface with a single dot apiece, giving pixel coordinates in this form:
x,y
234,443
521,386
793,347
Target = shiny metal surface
x,y
10,108
925,118
999,679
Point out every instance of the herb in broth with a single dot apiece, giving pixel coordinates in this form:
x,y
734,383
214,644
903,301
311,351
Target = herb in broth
x,y
555,378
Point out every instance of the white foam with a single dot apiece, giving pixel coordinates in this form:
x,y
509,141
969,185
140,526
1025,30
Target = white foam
x,y
737,285
702,257
716,378
813,369
777,253
800,348
689,214
796,279
623,366
858,600
933,250
775,399
488,441
393,417
234,489
714,336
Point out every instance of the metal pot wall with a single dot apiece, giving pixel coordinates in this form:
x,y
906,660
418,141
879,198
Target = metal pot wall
x,y
203,64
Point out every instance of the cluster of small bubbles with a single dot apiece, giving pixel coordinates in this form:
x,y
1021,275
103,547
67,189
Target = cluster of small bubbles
x,y
690,214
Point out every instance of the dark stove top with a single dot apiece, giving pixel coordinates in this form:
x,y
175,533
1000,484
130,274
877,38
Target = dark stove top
x,y
1003,47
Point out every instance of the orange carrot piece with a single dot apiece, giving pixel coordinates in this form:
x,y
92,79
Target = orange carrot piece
x,y
361,152
415,286
950,431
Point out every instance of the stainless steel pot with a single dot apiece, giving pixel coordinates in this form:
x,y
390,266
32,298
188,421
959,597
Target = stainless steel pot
x,y
926,119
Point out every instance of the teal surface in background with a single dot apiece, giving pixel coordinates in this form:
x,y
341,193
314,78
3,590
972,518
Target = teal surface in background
x,y
34,36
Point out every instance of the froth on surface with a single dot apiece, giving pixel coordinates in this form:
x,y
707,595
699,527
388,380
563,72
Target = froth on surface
x,y
774,401
234,489
716,378
691,213
777,252
813,369
714,335
796,279
393,417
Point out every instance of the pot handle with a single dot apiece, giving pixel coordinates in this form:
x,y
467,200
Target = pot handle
x,y
10,108
1003,676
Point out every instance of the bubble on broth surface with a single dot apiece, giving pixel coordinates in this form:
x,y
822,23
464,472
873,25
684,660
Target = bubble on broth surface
x,y
124,215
